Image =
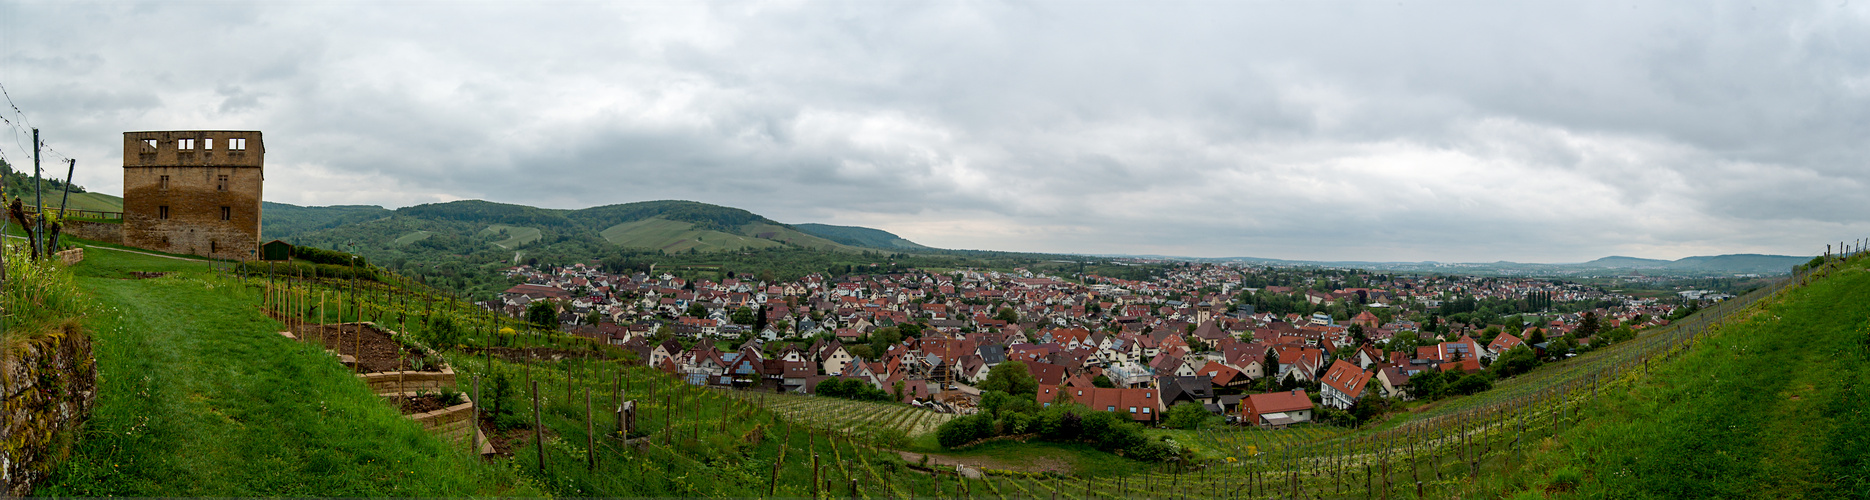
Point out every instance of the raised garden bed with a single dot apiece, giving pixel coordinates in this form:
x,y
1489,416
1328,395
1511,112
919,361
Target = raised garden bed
x,y
452,422
410,377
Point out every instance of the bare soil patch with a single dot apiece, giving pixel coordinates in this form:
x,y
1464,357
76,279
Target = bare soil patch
x,y
1037,465
505,441
422,404
373,348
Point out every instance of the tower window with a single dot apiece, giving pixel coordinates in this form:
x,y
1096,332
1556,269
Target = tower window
x,y
162,212
207,143
236,144
220,183
227,213
165,182
184,144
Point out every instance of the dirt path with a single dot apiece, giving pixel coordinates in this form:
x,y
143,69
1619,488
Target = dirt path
x,y
91,247
973,465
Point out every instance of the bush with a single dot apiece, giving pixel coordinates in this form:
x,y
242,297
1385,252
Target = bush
x,y
1017,423
39,295
323,256
1061,424
1566,479
965,430
1471,384
1188,415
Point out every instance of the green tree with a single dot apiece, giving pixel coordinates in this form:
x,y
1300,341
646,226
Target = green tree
x,y
1514,361
1104,382
1187,415
1008,315
1588,326
1272,367
743,316
695,310
1012,378
543,314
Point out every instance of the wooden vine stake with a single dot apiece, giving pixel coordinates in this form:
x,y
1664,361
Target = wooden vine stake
x,y
590,434
538,431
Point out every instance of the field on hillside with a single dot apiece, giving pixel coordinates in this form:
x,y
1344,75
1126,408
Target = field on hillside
x,y
198,396
412,237
850,417
677,236
515,235
1772,405
794,236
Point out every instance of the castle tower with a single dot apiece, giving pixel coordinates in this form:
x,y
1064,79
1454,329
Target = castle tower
x,y
193,192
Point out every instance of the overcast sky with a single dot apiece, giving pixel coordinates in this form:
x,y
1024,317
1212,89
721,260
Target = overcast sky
x,y
1399,131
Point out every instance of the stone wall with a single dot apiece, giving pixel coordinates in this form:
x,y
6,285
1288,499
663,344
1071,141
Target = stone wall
x,y
95,231
193,192
47,386
71,257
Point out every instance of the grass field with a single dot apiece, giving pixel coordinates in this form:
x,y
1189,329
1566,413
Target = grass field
x,y
1770,406
414,236
794,236
84,201
677,236
198,396
515,235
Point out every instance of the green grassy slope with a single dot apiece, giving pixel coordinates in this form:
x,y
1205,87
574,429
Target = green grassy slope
x,y
198,396
515,235
678,236
1776,404
412,237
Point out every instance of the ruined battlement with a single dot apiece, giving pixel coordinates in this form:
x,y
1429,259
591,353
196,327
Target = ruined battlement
x,y
194,192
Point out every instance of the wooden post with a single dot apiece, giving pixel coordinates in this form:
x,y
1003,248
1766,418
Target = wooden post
x,y
772,488
474,433
538,431
590,434
816,487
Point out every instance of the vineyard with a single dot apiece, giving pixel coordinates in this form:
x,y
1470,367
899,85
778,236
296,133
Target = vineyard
x,y
553,407
850,417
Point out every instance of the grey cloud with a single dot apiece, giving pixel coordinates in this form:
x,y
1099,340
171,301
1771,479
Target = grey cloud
x,y
1443,131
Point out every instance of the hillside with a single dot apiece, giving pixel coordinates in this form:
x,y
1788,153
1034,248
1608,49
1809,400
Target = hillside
x,y
461,245
1769,405
859,236
280,220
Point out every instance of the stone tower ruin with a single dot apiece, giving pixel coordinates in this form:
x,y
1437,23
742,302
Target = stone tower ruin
x,y
193,192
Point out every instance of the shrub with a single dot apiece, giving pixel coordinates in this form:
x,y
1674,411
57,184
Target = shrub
x,y
1060,424
1566,479
323,256
38,295
1017,423
1188,415
965,430
1471,384
889,463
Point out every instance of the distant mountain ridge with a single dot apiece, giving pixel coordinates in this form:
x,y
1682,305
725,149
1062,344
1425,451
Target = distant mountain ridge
x,y
669,225
1697,265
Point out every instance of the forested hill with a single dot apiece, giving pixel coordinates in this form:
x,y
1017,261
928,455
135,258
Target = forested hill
x,y
859,236
461,244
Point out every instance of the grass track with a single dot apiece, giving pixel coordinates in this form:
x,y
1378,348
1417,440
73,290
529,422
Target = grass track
x,y
198,396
